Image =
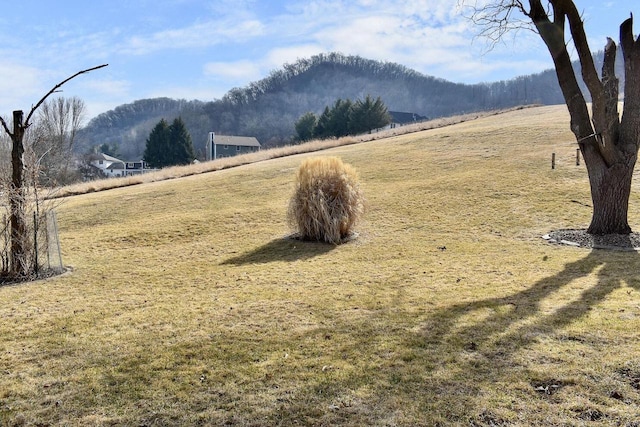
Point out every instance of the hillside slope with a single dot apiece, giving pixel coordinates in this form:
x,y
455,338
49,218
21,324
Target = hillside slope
x,y
268,109
188,304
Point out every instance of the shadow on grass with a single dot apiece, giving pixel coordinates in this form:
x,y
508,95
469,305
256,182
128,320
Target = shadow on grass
x,y
374,368
524,308
285,249
480,342
463,367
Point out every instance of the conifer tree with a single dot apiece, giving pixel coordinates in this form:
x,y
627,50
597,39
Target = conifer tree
x,y
339,118
305,126
169,145
156,152
368,115
323,127
182,152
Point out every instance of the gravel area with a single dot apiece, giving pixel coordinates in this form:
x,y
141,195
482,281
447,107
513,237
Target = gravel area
x,y
580,238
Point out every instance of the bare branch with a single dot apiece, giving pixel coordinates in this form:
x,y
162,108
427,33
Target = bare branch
x,y
6,128
576,26
497,19
56,87
626,36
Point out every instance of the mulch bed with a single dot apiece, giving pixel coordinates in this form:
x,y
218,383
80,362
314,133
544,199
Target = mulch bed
x,y
580,238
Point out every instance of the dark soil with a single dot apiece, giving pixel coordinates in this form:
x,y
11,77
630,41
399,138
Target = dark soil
x,y
6,279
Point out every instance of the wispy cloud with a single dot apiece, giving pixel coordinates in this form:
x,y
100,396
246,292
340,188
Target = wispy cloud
x,y
106,86
199,35
21,87
237,70
165,47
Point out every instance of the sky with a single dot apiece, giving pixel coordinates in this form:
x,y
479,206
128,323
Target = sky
x,y
195,49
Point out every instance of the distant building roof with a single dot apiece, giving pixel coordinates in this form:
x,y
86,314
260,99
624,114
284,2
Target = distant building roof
x,y
116,165
101,156
403,118
243,141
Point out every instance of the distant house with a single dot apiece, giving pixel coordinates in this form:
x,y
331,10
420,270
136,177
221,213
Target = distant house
x,y
226,146
402,118
112,167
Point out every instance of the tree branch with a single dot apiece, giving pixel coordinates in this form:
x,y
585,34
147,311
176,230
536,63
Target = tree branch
x,y
56,87
496,19
587,66
610,85
4,125
631,111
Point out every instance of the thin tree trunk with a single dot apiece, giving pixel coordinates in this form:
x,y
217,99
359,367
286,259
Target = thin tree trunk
x,y
18,262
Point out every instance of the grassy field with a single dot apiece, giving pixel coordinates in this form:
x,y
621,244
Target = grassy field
x,y
188,305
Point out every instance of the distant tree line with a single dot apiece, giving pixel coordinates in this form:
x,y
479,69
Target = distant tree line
x,y
269,108
344,118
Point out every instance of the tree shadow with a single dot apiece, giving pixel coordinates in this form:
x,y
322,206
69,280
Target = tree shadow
x,y
479,344
494,329
517,320
420,372
287,249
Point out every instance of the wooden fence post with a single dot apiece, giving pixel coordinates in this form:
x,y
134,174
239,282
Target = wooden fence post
x,y
577,157
553,160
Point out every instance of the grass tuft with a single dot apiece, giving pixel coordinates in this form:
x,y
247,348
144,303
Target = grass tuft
x,y
327,202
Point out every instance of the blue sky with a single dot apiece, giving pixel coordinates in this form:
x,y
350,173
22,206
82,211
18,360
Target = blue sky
x,y
196,49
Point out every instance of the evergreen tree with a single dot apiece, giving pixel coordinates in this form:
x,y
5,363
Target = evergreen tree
x,y
368,115
169,145
348,118
323,127
182,152
305,126
156,152
339,118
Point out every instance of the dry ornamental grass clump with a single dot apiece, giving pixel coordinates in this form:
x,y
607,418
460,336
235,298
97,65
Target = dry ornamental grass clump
x,y
327,202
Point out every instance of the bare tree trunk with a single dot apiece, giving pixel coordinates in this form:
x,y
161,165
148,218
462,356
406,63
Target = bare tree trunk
x,y
610,190
18,264
609,146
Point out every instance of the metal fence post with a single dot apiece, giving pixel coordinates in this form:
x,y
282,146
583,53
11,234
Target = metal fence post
x,y
35,242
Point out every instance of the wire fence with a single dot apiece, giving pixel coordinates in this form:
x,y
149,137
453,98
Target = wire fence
x,y
43,256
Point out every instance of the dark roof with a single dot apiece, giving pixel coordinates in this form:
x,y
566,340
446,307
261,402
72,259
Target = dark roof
x,y
243,141
116,165
403,118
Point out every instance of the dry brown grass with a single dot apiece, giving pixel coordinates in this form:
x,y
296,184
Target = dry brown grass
x,y
188,306
327,200
268,154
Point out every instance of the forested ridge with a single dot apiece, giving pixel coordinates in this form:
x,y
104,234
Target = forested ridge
x,y
269,108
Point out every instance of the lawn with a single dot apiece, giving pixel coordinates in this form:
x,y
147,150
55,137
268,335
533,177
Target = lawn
x,y
186,303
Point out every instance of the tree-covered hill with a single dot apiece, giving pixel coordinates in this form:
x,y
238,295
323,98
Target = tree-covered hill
x,y
268,109
128,126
